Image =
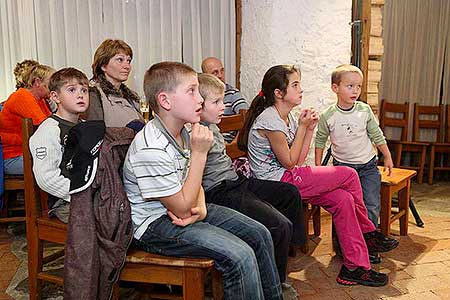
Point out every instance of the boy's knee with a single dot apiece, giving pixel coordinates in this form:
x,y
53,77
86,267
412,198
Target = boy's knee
x,y
261,232
286,226
241,259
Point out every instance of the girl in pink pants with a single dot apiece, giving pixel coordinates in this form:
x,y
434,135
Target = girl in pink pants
x,y
277,144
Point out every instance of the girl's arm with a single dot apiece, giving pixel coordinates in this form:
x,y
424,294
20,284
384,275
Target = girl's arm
x,y
288,157
308,137
306,145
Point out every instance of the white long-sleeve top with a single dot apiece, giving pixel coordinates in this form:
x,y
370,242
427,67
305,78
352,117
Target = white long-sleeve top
x,y
47,148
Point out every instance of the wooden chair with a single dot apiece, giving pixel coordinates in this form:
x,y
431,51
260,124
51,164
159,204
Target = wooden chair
x,y
390,117
440,151
12,184
235,123
140,266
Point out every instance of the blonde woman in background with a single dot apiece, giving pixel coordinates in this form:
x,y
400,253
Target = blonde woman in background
x,y
28,101
22,68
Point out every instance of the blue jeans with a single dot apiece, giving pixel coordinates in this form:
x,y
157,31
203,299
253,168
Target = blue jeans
x,y
276,205
242,250
13,166
370,179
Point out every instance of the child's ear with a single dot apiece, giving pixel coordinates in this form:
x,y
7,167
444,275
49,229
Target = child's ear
x,y
278,94
164,101
54,96
334,87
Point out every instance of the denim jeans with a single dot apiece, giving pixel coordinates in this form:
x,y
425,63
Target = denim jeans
x,y
276,205
370,179
242,250
13,166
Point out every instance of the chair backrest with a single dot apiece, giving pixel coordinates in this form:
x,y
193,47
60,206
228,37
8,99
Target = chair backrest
x,y
233,123
434,120
35,198
396,116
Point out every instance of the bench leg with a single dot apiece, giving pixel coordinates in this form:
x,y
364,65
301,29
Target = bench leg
x,y
193,284
217,285
403,205
385,212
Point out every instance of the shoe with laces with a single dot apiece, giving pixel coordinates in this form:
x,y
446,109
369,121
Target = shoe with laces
x,y
378,242
362,277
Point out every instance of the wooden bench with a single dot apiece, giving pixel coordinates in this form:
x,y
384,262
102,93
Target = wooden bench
x,y
140,266
399,182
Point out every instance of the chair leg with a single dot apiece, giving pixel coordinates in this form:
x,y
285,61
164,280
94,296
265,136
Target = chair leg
x,y
35,250
423,154
398,156
316,221
35,255
431,170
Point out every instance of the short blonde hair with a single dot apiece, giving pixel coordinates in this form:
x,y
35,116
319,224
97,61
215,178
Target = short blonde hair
x,y
107,49
21,69
164,77
209,84
39,71
340,70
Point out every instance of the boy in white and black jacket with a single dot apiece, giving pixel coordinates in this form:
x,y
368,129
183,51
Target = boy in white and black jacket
x,y
69,90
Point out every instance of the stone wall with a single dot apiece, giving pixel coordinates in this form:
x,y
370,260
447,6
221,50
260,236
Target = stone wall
x,y
314,34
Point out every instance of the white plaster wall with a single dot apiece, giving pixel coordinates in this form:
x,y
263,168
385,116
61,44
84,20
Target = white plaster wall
x,y
314,34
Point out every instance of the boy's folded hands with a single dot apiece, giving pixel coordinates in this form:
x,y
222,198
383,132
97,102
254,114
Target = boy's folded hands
x,y
195,211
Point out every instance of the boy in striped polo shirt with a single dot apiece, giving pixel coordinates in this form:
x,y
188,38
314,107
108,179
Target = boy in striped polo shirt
x,y
162,177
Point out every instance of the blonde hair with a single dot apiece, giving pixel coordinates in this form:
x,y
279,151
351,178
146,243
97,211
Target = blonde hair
x,y
164,77
209,84
39,71
21,69
107,49
343,69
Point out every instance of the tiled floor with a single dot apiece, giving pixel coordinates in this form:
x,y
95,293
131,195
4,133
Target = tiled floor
x,y
419,268
8,263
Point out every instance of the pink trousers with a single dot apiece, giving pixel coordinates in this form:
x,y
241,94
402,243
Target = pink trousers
x,y
338,191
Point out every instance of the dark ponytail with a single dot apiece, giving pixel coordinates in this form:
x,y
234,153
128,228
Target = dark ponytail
x,y
275,78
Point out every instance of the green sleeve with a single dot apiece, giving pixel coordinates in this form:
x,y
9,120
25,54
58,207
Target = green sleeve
x,y
374,131
322,132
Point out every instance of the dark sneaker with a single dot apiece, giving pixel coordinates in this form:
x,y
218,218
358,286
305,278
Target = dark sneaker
x,y
362,277
377,242
374,258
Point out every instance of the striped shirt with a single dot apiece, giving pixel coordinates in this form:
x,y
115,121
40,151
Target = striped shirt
x,y
155,166
234,101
